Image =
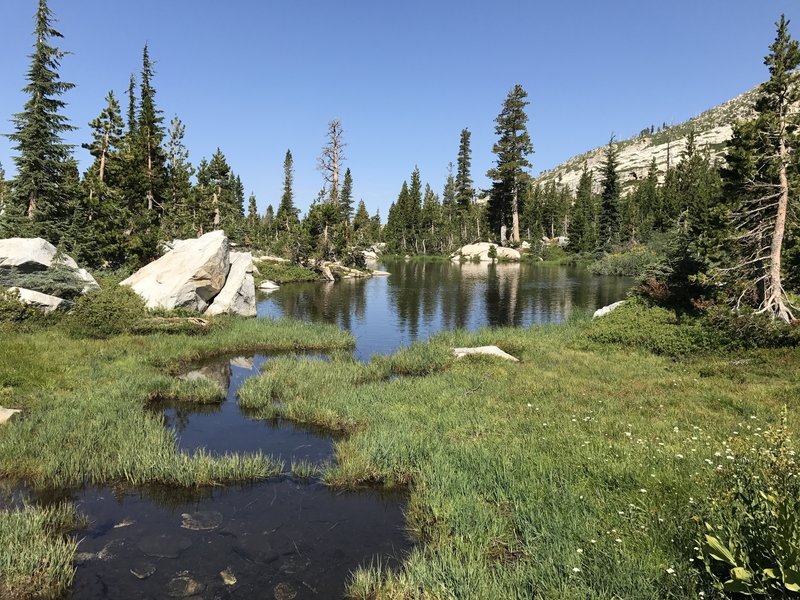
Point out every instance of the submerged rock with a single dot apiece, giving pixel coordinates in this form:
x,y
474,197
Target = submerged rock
x,y
284,591
162,545
182,587
188,276
268,285
204,520
485,350
228,578
601,312
143,570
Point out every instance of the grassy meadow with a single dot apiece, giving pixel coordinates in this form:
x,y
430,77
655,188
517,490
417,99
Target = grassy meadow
x,y
576,473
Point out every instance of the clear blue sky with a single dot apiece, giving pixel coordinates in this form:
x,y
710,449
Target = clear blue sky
x,y
257,77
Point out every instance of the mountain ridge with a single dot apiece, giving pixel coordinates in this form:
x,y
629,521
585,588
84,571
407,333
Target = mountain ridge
x,y
713,128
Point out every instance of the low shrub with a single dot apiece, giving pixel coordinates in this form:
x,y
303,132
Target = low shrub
x,y
746,329
59,281
283,273
635,262
748,541
12,310
111,310
656,329
555,253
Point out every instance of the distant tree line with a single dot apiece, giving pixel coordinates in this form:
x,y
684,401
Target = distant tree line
x,y
722,226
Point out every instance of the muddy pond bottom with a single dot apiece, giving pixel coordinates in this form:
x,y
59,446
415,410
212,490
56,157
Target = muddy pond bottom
x,y
280,539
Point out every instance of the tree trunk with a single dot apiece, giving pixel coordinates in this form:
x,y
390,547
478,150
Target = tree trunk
x,y
515,213
774,301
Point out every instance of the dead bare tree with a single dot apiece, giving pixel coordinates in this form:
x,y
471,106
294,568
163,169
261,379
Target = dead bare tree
x,y
768,144
330,160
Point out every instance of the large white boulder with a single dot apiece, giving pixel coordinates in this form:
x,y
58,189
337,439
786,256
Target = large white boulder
x,y
188,276
36,254
44,302
481,251
238,295
30,254
601,312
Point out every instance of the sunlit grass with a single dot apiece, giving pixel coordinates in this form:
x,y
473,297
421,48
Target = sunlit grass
x,y
573,474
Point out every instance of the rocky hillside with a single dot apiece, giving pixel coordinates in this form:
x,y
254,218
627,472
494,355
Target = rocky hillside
x,y
712,129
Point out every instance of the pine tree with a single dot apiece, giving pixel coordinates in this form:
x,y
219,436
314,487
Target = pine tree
x,y
346,198
583,229
40,190
286,217
609,198
512,149
464,191
151,134
180,214
761,166
361,224
100,214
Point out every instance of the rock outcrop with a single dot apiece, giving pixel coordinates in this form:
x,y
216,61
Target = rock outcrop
x,y
480,251
188,276
199,274
28,255
238,295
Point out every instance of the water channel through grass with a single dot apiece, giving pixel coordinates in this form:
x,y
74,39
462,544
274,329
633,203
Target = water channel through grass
x,y
290,537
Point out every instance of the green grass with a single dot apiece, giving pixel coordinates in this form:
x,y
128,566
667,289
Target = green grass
x,y
573,474
282,273
36,561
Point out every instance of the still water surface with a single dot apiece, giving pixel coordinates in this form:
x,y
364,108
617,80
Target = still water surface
x,y
422,298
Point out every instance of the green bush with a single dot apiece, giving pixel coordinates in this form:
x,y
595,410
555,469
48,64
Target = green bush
x,y
12,310
555,253
746,329
656,329
111,310
283,273
58,281
749,538
635,262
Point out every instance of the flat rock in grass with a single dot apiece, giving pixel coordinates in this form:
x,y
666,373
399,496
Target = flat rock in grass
x,y
204,520
143,570
601,312
484,350
163,545
183,587
44,302
188,276
7,413
238,295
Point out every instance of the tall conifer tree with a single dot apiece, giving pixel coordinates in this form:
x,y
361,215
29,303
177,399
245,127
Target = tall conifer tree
x,y
609,198
512,149
41,191
463,185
